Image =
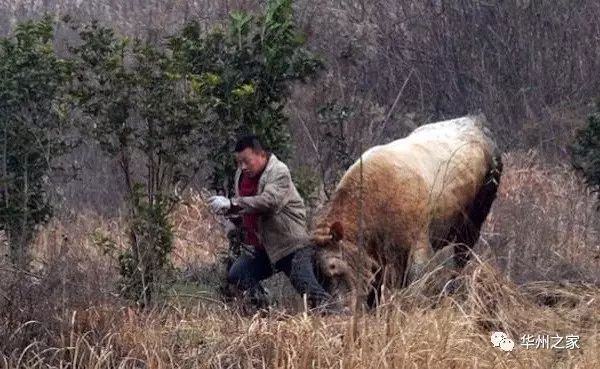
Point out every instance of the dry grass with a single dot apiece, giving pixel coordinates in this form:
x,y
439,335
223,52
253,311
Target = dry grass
x,y
74,322
200,236
400,333
544,224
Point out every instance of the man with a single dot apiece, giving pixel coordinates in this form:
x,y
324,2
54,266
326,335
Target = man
x,y
274,220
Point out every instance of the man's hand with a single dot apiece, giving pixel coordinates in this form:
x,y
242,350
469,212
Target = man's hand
x,y
219,204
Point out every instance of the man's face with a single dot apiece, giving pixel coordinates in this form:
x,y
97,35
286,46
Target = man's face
x,y
251,162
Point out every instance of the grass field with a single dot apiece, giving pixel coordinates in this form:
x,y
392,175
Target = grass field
x,y
536,273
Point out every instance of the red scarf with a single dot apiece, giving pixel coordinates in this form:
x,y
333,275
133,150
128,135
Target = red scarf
x,y
249,187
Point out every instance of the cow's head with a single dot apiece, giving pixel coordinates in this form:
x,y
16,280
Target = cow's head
x,y
330,244
337,261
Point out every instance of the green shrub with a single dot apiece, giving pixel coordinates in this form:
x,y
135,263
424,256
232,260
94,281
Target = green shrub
x,y
33,132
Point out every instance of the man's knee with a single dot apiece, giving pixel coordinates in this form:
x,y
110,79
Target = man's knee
x,y
297,262
238,272
306,252
246,271
234,276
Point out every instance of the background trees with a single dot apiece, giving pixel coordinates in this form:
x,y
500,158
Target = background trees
x,y
391,66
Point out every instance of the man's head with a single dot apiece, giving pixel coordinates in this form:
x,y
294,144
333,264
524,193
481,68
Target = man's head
x,y
251,156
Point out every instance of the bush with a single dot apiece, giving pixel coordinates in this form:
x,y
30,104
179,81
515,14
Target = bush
x,y
33,131
137,105
246,72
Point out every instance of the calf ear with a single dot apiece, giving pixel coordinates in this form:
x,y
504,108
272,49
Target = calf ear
x,y
337,231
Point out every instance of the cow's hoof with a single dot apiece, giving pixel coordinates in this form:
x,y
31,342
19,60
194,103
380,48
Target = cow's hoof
x,y
415,272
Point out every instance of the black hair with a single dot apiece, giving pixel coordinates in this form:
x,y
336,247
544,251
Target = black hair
x,y
249,141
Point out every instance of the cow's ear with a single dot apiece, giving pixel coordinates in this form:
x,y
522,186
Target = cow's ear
x,y
337,231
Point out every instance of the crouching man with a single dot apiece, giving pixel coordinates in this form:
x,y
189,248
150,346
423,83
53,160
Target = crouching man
x,y
274,221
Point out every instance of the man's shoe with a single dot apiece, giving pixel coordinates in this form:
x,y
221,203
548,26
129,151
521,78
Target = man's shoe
x,y
259,297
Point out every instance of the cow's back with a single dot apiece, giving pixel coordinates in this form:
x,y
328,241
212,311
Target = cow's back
x,y
451,157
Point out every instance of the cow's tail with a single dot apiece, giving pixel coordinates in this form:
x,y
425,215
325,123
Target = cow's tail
x,y
487,194
496,170
479,210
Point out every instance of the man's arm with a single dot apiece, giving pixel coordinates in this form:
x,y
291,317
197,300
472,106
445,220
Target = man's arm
x,y
270,200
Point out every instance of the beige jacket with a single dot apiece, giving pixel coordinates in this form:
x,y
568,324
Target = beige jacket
x,y
282,220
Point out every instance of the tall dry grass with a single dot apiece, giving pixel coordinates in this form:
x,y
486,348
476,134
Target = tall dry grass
x,y
64,313
544,224
400,333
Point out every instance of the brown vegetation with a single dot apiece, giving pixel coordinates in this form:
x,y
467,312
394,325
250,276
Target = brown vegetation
x,y
531,66
67,314
544,224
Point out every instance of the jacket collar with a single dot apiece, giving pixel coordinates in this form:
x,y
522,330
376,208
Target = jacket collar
x,y
271,162
268,168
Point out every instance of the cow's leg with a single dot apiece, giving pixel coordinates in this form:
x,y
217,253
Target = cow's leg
x,y
421,254
444,257
374,296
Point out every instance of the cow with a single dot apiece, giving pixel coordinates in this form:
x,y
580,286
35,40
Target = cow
x,y
401,202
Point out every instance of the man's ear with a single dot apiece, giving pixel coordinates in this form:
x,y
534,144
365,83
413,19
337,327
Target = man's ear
x,y
337,231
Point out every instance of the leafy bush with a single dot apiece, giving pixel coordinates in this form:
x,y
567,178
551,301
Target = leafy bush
x,y
32,130
137,105
246,71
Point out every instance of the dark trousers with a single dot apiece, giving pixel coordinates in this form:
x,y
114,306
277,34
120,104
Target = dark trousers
x,y
248,270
